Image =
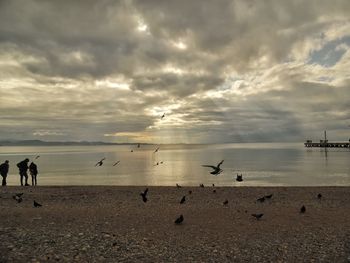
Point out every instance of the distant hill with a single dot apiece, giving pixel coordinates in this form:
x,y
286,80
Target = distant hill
x,y
45,143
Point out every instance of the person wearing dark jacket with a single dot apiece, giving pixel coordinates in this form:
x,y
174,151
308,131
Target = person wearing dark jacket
x,y
33,169
4,169
23,168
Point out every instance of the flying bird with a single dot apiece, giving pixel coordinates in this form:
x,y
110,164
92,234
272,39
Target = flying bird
x,y
179,220
216,169
183,200
36,204
239,178
225,202
144,195
261,200
303,209
258,216
116,163
162,116
268,196
100,163
156,150
38,156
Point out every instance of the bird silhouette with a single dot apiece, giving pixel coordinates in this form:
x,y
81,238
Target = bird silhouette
x,y
213,185
36,204
303,209
18,197
225,202
100,163
156,150
162,116
216,169
268,196
258,216
179,220
201,185
183,200
144,195
319,196
116,163
261,200
38,156
178,186
239,178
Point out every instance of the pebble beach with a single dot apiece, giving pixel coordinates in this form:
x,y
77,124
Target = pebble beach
x,y
113,224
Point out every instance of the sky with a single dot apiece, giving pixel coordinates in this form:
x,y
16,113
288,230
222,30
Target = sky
x,y
221,71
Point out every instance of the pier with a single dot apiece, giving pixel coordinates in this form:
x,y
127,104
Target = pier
x,y
326,144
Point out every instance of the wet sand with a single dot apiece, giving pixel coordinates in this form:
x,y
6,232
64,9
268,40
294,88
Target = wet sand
x,y
112,224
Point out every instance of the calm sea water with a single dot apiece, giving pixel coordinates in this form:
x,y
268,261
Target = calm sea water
x,y
261,165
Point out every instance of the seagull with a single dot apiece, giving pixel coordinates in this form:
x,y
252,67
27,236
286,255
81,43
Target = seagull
x,y
179,220
156,150
225,202
100,163
183,200
239,178
162,116
216,169
36,204
319,196
257,216
303,209
261,200
178,186
144,198
116,163
268,196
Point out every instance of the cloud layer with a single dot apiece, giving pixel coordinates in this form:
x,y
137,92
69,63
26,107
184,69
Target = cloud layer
x,y
223,71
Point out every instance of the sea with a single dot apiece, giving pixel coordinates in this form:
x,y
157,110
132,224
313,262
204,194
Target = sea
x,y
261,164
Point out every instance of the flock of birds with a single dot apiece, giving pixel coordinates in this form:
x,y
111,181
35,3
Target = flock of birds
x,y
258,216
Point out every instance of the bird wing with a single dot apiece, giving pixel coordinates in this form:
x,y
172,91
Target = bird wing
x,y
220,163
211,166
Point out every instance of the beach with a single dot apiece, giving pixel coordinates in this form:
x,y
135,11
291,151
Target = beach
x,y
113,224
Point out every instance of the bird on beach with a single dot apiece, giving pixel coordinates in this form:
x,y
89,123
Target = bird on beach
x,y
178,186
36,204
261,200
302,209
214,191
216,169
183,200
18,197
319,196
162,116
144,195
179,220
100,163
225,202
268,196
258,216
156,150
116,163
201,185
239,178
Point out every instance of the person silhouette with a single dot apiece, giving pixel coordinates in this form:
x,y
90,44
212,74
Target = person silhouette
x,y
23,168
4,169
33,170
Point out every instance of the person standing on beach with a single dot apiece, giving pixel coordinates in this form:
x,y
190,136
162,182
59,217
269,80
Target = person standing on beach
x,y
33,169
23,168
4,169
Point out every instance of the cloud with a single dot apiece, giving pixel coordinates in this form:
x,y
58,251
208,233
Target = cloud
x,y
221,71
